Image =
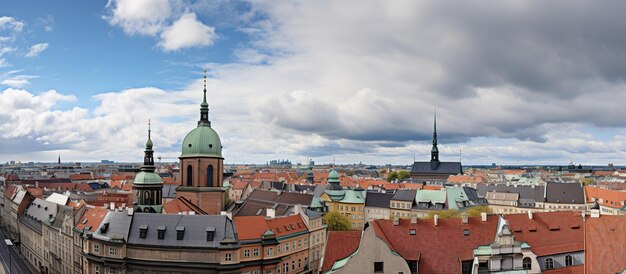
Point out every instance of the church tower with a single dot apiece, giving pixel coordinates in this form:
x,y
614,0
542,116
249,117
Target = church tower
x,y
434,152
148,186
202,164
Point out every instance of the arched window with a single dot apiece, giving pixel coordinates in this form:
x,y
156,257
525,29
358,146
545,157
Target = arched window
x,y
147,199
569,260
549,263
209,176
189,175
526,263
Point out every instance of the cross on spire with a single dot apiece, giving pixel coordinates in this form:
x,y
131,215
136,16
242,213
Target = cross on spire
x,y
204,107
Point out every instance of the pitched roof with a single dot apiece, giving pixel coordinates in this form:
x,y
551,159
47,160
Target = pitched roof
x,y
181,204
606,244
548,232
440,248
565,193
253,227
605,197
118,224
378,199
9,191
92,218
339,245
451,168
195,230
407,195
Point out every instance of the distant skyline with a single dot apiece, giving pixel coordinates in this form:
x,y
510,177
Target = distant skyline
x,y
522,82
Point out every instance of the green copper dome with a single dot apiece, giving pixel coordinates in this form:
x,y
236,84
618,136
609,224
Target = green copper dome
x,y
147,178
202,141
333,177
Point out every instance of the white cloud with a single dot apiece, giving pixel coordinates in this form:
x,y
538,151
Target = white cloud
x,y
17,81
144,17
11,23
187,32
36,49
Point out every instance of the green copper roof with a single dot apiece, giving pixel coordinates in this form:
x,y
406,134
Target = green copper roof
x,y
316,202
434,196
482,250
202,141
333,177
455,194
347,196
147,178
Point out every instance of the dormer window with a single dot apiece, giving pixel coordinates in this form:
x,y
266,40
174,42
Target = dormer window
x,y
104,228
180,232
143,231
210,233
161,232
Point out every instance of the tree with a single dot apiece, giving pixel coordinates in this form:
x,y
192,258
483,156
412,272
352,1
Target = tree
x,y
588,181
476,210
392,176
403,174
337,221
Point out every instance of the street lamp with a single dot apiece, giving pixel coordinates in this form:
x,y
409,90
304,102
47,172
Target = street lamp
x,y
9,245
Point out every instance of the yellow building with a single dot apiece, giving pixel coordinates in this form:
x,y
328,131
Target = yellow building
x,y
346,201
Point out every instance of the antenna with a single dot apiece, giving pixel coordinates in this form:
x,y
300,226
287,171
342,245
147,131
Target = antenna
x,y
460,154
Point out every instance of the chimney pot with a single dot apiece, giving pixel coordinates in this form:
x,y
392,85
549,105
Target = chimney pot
x,y
530,214
436,219
464,217
483,216
413,220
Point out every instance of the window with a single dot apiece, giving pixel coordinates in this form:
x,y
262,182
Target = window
x,y
526,263
569,260
270,251
161,233
228,257
278,250
111,271
466,267
268,271
209,176
293,265
378,267
246,253
299,243
256,272
112,251
96,248
189,174
466,232
299,263
96,269
287,247
293,245
549,263
256,252
306,242
412,232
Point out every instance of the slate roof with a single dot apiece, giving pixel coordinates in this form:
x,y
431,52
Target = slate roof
x,y
548,232
339,245
406,195
42,210
60,217
527,194
118,224
438,248
378,199
451,168
169,191
195,230
565,193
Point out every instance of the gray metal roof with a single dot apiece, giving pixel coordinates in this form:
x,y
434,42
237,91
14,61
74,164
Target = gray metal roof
x,y
527,194
378,199
169,191
407,195
195,230
118,224
565,193
42,210
443,168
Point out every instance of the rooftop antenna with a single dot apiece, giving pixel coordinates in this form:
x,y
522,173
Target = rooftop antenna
x,y
460,154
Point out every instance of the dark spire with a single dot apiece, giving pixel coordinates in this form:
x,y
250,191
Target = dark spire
x,y
148,158
204,107
434,152
59,161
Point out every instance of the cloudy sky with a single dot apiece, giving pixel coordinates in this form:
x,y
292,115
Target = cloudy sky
x,y
513,82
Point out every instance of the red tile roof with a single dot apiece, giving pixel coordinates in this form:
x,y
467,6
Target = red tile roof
x,y
253,227
549,232
605,244
92,218
9,191
605,197
339,245
181,204
79,177
576,269
440,248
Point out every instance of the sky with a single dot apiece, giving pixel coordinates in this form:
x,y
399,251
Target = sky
x,y
512,82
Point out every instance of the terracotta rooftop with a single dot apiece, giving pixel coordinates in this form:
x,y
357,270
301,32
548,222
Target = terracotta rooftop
x,y
605,197
180,205
440,248
253,227
339,245
92,218
576,269
548,232
605,244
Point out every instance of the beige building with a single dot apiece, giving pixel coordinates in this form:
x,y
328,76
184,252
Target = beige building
x,y
317,237
372,256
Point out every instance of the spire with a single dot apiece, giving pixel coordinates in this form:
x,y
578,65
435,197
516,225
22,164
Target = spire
x,y
148,158
434,152
204,107
59,160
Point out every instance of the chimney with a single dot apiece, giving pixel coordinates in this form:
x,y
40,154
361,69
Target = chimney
x,y
228,215
396,221
105,206
436,219
413,220
192,213
130,211
483,216
464,217
112,205
270,213
530,214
